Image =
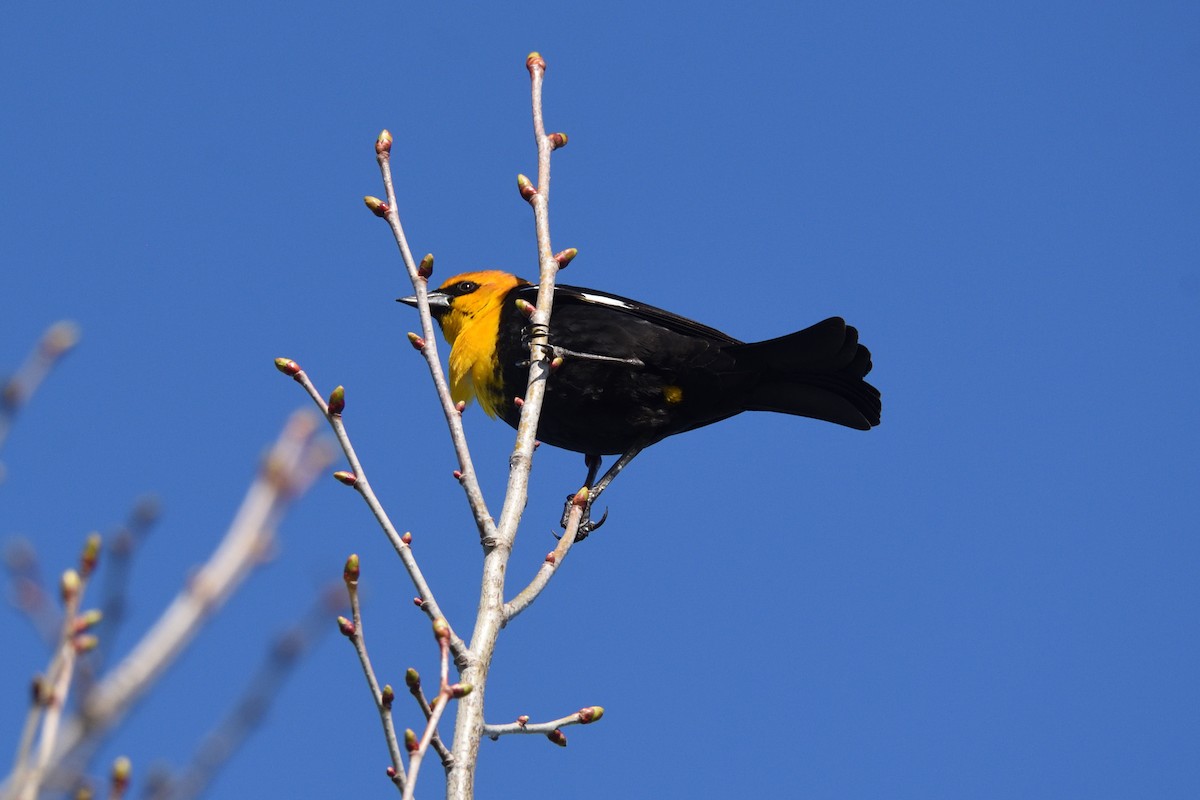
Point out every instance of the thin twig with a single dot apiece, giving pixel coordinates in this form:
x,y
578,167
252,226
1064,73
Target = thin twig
x,y
28,591
584,716
384,707
15,393
444,695
413,679
470,482
358,479
553,561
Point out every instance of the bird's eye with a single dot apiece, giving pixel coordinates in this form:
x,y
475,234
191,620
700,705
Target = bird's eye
x,y
466,287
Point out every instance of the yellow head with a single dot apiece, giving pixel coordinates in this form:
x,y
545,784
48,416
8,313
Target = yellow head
x,y
467,307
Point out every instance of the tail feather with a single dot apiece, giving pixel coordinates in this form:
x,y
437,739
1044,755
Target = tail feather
x,y
817,372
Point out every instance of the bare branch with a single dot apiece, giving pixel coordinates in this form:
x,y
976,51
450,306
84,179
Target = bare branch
x,y
383,704
413,680
358,479
553,561
491,614
584,716
446,693
419,277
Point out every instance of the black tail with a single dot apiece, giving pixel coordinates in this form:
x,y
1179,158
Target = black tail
x,y
817,372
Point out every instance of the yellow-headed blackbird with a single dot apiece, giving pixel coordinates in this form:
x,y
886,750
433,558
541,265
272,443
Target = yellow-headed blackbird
x,y
633,374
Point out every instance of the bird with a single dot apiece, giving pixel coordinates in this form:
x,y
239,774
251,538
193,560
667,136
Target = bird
x,y
627,374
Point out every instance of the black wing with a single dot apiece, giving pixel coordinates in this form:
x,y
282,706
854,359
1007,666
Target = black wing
x,y
657,316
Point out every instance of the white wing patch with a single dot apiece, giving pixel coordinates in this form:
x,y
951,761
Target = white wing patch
x,y
602,300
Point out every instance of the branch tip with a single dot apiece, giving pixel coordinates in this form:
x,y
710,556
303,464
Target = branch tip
x,y
564,257
122,768
69,585
337,400
412,678
287,367
425,268
535,60
85,643
350,572
590,714
377,206
441,629
87,620
383,144
526,188
90,555
410,740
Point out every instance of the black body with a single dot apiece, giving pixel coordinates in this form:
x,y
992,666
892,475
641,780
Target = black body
x,y
687,375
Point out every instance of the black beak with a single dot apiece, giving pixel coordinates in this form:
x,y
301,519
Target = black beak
x,y
437,301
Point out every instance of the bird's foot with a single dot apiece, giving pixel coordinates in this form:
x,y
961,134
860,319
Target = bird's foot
x,y
586,523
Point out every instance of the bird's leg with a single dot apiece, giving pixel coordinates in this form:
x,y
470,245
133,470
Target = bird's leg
x,y
586,525
593,464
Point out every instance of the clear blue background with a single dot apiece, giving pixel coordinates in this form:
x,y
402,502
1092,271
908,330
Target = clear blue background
x,y
994,594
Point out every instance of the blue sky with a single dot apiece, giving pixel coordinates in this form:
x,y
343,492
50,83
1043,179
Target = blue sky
x,y
993,594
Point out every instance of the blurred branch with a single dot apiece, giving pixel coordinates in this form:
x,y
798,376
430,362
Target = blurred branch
x,y
247,714
287,471
28,590
50,692
123,544
58,340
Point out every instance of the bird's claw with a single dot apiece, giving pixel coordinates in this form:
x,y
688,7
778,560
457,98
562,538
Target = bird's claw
x,y
586,524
